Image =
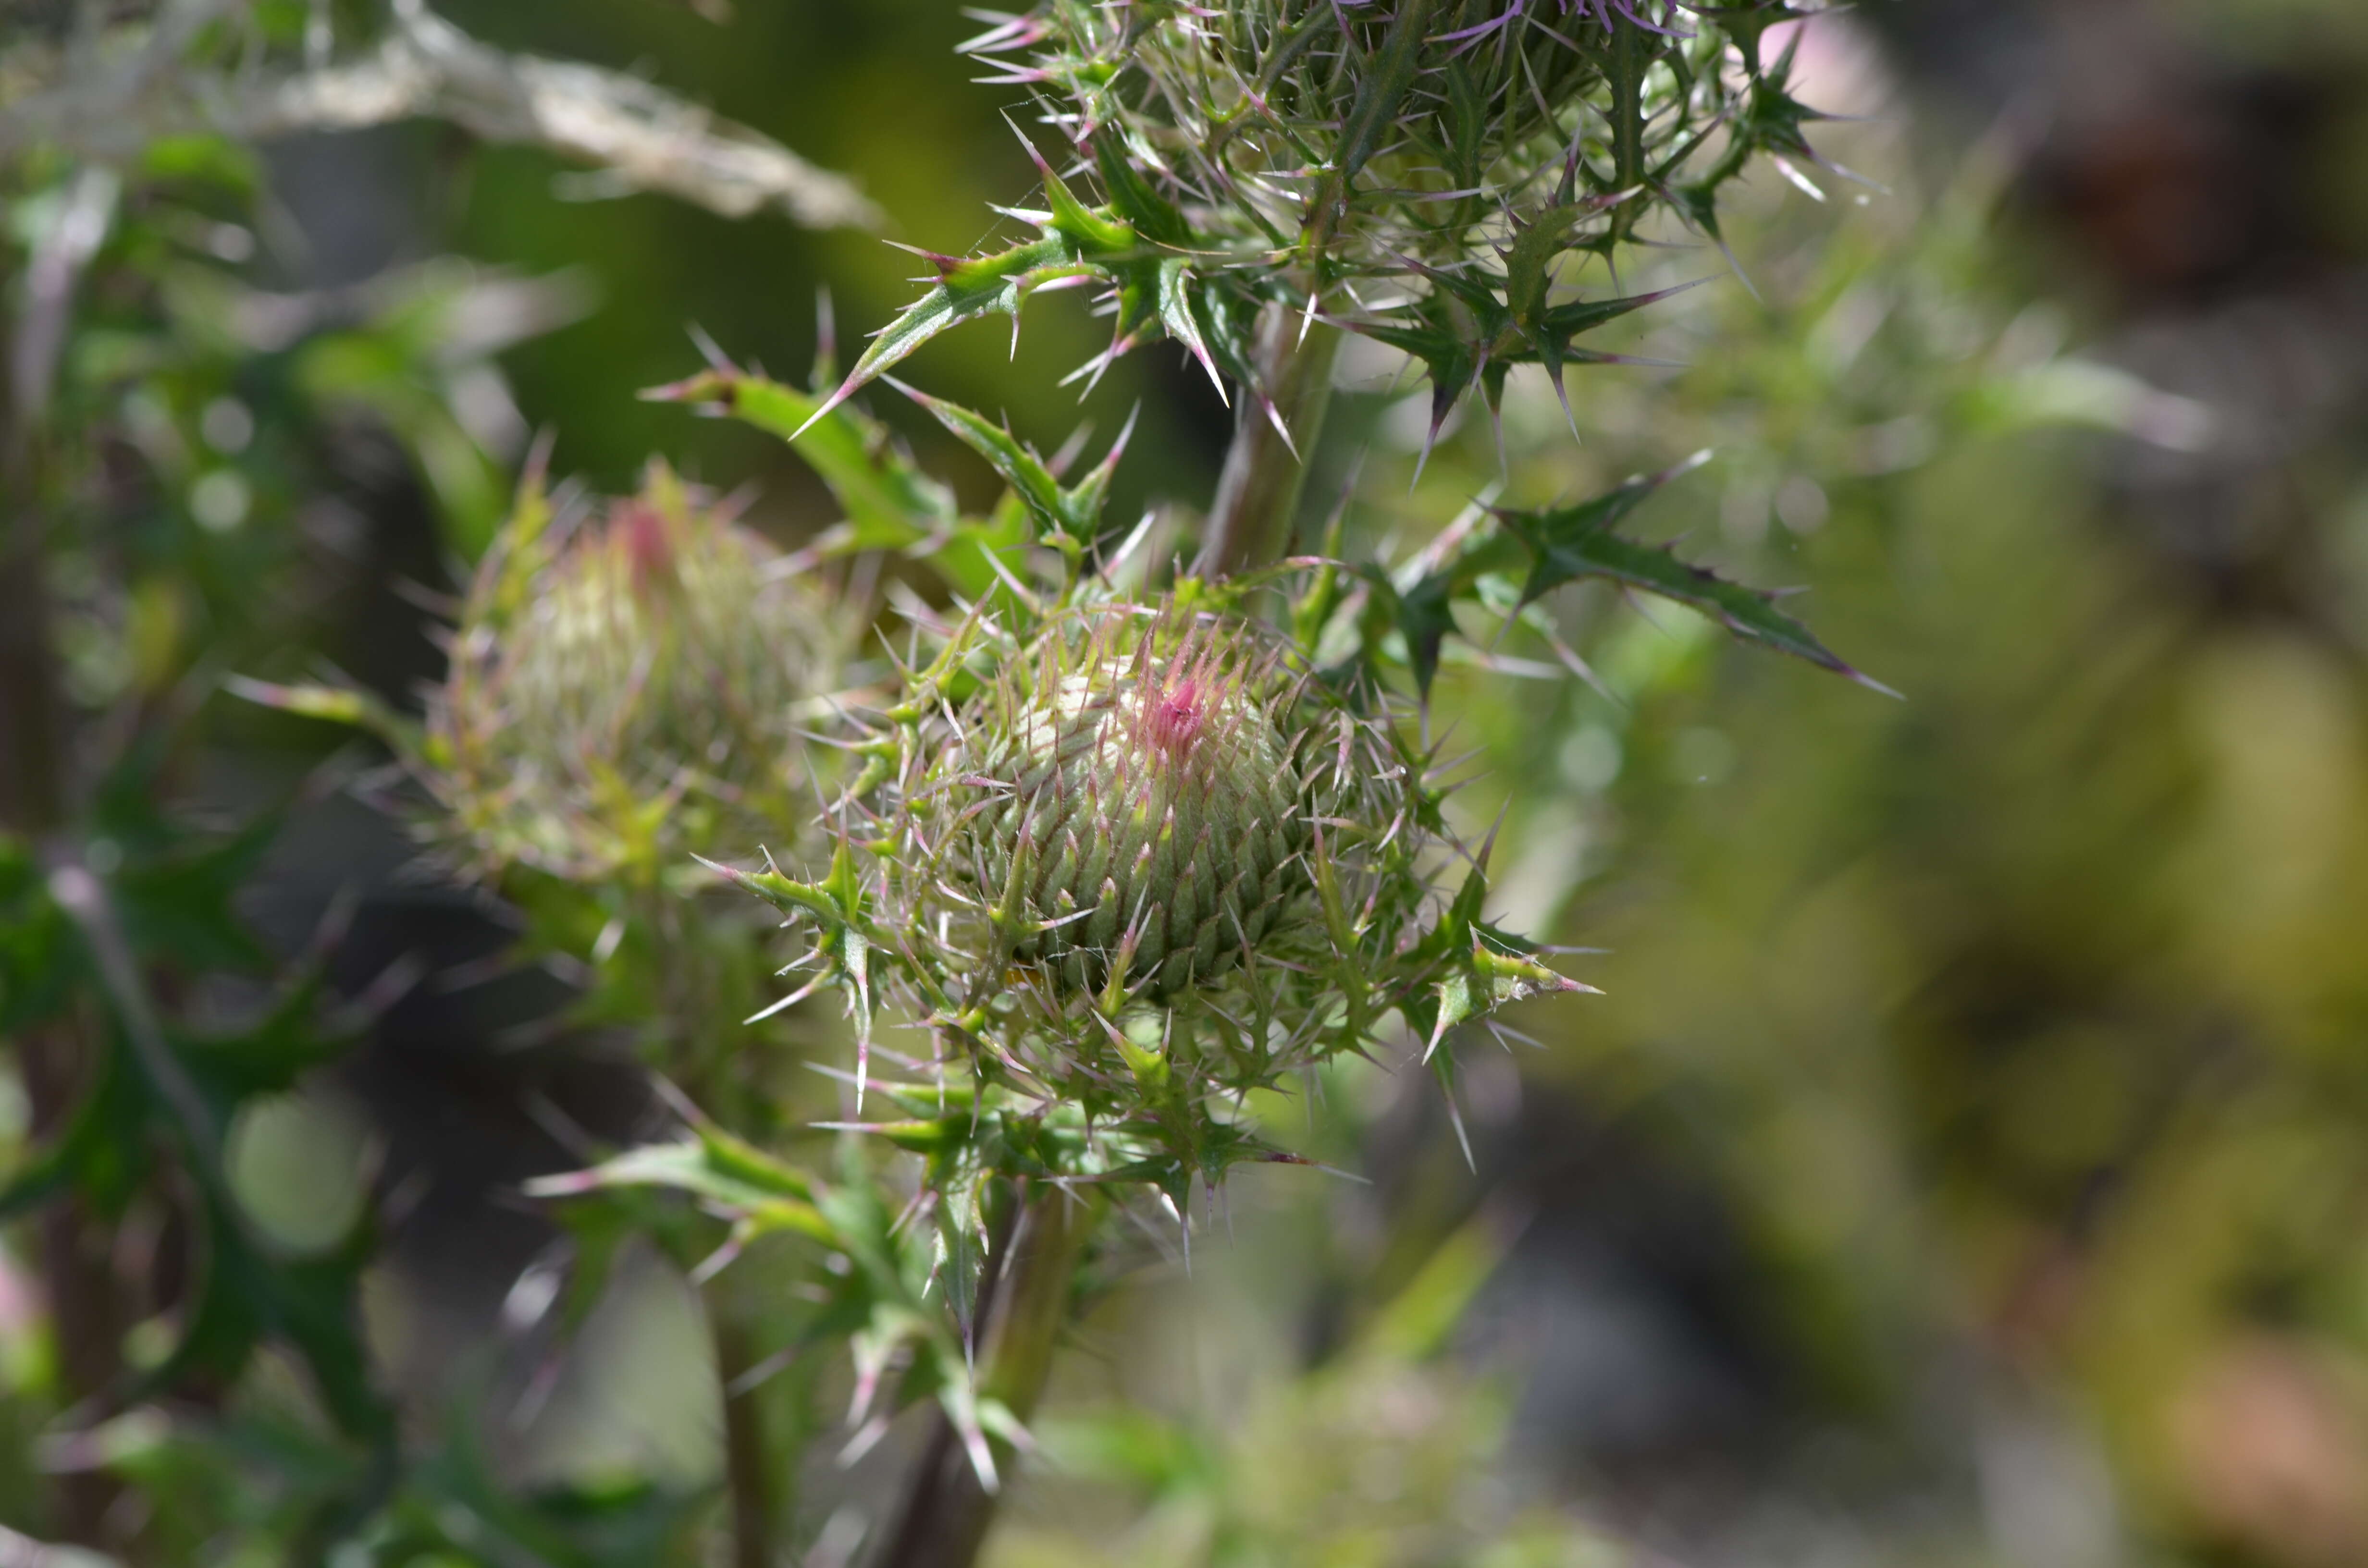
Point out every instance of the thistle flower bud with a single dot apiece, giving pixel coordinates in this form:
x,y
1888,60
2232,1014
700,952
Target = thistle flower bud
x,y
1261,117
629,694
1273,156
1131,802
1129,864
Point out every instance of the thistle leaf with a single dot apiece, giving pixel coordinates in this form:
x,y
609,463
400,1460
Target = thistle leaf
x,y
1388,74
889,502
731,1179
1520,329
1020,466
1565,321
1068,519
1133,198
1578,541
967,289
1470,968
337,704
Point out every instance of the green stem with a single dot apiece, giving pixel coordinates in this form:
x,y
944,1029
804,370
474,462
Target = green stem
x,y
76,1244
756,1475
1627,103
759,1453
944,1516
1257,494
33,712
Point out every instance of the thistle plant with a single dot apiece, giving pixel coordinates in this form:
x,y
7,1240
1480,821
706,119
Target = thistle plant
x,y
1122,845
1156,864
629,687
1126,846
190,392
1103,836
1131,836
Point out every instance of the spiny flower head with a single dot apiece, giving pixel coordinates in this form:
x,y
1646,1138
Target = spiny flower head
x,y
1127,863
1439,174
1376,132
1126,802
629,691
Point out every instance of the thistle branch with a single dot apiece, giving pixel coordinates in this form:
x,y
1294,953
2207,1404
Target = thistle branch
x,y
946,1510
754,1469
1266,469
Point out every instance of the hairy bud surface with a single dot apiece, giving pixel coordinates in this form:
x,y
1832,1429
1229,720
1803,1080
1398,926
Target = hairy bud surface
x,y
630,691
1134,807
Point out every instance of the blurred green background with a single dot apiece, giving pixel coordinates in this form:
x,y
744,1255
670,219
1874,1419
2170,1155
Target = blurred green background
x,y
1968,1163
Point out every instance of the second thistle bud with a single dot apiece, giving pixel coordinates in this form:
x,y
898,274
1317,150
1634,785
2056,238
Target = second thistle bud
x,y
1131,805
632,692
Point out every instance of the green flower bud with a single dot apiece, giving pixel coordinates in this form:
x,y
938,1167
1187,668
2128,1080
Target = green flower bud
x,y
1129,864
1129,800
631,693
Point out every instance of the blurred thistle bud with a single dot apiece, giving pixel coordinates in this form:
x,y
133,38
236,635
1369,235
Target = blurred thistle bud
x,y
630,692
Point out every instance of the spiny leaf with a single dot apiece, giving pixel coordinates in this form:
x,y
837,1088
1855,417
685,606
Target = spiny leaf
x,y
1573,542
339,705
1497,334
1154,217
1469,969
1388,74
1565,320
178,904
1070,518
1744,24
1020,466
101,1152
836,901
960,1258
732,1180
269,1056
1452,361
890,502
840,907
245,1296
1425,612
1096,233
967,289
1177,315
